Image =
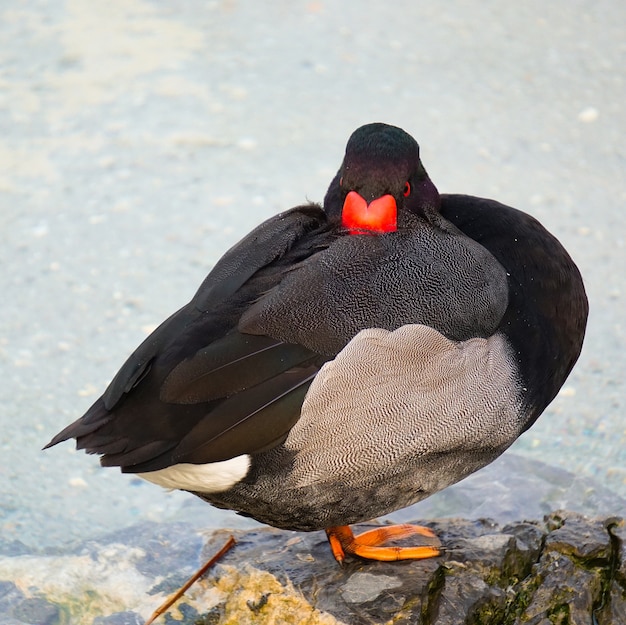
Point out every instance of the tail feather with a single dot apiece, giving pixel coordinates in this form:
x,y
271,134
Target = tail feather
x,y
92,420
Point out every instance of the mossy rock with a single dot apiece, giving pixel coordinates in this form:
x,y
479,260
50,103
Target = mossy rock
x,y
566,569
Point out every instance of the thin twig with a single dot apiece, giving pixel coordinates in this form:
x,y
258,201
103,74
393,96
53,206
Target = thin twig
x,y
197,575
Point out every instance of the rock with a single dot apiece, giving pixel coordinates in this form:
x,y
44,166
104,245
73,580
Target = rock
x,y
618,533
119,618
37,611
566,569
578,537
10,597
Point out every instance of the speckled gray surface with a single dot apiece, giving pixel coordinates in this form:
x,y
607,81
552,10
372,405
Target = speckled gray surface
x,y
139,139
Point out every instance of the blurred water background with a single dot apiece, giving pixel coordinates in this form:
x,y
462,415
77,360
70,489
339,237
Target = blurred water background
x,y
140,139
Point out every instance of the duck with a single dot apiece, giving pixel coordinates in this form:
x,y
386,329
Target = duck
x,y
348,359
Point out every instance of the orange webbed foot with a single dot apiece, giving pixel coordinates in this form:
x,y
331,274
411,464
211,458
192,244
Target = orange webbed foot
x,y
370,544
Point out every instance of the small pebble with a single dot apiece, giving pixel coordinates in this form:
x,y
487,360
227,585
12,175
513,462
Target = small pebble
x,y
40,230
87,391
223,200
588,115
247,143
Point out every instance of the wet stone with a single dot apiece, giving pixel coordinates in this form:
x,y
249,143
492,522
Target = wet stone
x,y
363,587
12,548
529,540
615,610
618,531
354,593
488,551
579,537
37,611
6,619
119,618
565,569
468,594
563,590
496,553
10,596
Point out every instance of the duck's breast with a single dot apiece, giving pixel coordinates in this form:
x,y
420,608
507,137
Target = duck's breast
x,y
423,275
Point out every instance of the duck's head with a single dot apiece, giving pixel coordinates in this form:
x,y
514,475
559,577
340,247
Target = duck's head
x,y
381,176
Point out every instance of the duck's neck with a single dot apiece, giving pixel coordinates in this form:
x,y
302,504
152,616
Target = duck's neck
x,y
547,313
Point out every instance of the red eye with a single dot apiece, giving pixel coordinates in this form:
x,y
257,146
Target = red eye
x,y
407,189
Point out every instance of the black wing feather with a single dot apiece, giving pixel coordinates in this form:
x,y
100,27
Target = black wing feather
x,y
198,390
264,414
234,362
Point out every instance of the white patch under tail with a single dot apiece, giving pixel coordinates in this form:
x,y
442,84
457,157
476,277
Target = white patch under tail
x,y
213,477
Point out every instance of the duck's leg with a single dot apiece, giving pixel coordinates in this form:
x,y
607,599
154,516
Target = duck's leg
x,y
370,544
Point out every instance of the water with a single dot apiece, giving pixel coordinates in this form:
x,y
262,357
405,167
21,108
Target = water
x,y
138,143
